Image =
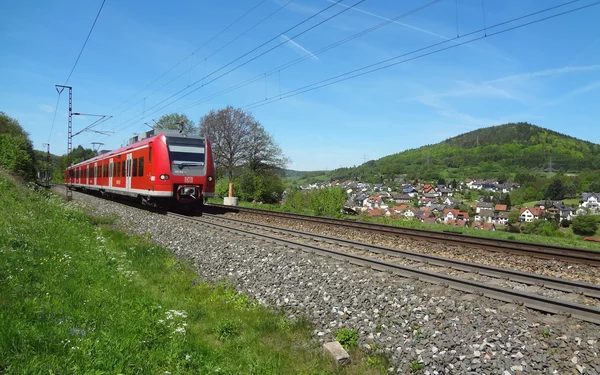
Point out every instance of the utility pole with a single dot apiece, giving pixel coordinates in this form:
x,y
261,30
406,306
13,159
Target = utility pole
x,y
69,193
47,163
96,147
59,89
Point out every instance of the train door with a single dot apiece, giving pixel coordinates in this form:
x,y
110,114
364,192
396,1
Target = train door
x,y
111,167
128,173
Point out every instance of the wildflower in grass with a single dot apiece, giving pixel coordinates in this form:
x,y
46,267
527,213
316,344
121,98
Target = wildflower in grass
x,y
188,357
179,330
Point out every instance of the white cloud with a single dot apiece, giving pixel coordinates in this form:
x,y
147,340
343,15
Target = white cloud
x,y
296,45
546,73
46,108
576,92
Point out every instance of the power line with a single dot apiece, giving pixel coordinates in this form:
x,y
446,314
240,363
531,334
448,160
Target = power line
x,y
206,58
86,40
337,79
308,56
248,61
191,54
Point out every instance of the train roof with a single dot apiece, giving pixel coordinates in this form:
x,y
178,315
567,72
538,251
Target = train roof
x,y
147,138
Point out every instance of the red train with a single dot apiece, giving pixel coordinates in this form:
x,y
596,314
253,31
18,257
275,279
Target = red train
x,y
160,170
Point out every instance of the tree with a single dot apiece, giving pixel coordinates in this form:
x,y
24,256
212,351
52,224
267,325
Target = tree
x,y
584,225
570,190
506,200
16,149
175,121
513,217
594,187
555,190
503,177
239,141
441,181
524,178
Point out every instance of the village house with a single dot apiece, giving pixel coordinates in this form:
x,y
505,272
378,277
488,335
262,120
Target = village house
x,y
590,201
401,198
410,191
455,214
373,202
444,191
428,189
484,205
456,223
485,226
528,214
500,207
452,202
500,218
484,215
410,213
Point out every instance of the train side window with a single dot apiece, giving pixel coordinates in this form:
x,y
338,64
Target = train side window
x,y
141,167
118,168
150,154
123,169
134,169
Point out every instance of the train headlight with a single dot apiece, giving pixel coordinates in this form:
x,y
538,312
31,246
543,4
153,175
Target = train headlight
x,y
164,177
210,178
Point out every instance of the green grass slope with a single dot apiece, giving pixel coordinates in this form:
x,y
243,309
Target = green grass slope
x,y
78,297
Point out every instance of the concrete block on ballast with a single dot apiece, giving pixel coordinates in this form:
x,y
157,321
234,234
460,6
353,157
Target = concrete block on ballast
x,y
230,201
335,350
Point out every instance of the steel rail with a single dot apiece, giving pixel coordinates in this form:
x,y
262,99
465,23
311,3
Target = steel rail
x,y
574,255
565,285
530,300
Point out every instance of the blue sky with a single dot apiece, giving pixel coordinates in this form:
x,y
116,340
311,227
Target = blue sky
x,y
547,73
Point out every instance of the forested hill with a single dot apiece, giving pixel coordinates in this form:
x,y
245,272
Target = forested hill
x,y
520,133
486,153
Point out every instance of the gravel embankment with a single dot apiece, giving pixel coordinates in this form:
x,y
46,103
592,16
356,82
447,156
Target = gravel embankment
x,y
447,331
548,267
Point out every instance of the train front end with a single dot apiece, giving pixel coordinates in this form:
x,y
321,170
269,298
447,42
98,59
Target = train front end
x,y
191,170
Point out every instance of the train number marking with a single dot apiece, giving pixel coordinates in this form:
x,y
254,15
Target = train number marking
x,y
188,180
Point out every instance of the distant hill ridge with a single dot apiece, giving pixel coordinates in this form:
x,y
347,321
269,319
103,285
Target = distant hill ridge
x,y
521,133
485,152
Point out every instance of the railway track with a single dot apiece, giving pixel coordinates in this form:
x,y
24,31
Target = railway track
x,y
570,298
573,255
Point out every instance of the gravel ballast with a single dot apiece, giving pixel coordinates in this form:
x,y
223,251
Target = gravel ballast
x,y
448,332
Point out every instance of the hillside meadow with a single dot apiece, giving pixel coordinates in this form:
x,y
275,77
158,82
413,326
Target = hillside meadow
x,y
79,297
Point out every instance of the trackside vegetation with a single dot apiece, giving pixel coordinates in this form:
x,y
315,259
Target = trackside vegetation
x,y
79,297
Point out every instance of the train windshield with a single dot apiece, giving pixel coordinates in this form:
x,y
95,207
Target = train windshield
x,y
186,151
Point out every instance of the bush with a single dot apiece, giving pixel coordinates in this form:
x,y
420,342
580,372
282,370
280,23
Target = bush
x,y
329,202
298,201
222,187
541,227
565,223
16,150
347,337
585,225
264,187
